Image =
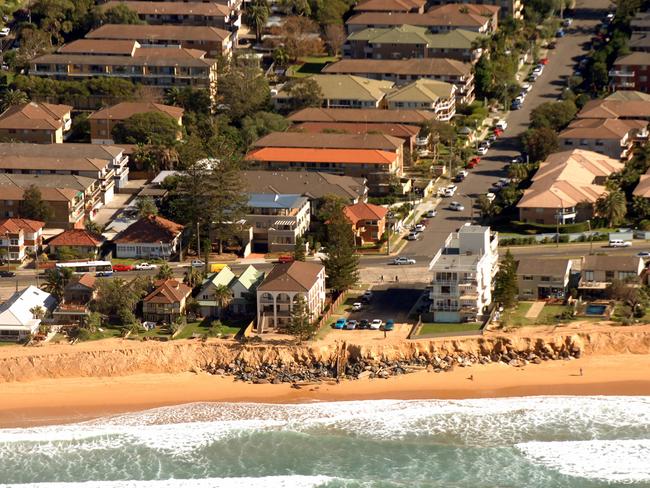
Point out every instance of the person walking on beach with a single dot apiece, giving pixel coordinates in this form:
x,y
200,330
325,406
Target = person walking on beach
x,y
471,377
580,371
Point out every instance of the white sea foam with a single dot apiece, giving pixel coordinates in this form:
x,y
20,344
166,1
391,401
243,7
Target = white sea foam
x,y
623,461
264,482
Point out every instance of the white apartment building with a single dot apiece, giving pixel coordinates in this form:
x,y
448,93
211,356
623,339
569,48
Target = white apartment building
x,y
463,274
277,220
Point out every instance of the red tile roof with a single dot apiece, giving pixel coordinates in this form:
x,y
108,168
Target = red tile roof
x,y
77,237
14,225
168,291
357,156
297,276
364,211
150,229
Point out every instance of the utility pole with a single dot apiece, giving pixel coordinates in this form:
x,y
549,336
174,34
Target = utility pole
x,y
198,241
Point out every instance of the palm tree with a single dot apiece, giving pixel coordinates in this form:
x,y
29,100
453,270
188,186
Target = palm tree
x,y
165,272
281,57
612,206
257,15
172,95
56,280
92,227
223,297
193,277
13,97
518,172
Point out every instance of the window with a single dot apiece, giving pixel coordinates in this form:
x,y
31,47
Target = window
x,y
528,278
545,278
446,290
609,275
589,275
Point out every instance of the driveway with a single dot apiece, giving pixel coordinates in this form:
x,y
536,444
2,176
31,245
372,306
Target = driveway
x,y
548,87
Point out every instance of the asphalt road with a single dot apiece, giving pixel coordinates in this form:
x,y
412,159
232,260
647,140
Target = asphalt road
x,y
548,87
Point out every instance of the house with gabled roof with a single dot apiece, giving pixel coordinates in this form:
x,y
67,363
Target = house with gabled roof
x,y
391,6
280,288
166,302
361,116
242,290
17,236
149,237
77,295
17,321
437,96
80,242
612,137
368,221
43,123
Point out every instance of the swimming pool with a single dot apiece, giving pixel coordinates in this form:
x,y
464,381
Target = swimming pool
x,y
594,309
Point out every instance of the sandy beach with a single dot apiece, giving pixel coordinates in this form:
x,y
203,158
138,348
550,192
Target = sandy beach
x,y
66,400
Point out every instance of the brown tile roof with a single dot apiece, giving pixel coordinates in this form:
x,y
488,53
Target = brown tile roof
x,y
389,5
318,155
125,110
601,128
416,67
329,141
47,194
91,46
34,115
172,8
361,115
643,187
77,157
76,237
14,225
149,33
450,15
612,109
567,178
297,276
364,211
536,266
88,280
633,59
612,263
168,291
150,229
402,131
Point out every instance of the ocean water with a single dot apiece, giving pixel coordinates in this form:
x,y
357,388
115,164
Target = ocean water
x,y
545,442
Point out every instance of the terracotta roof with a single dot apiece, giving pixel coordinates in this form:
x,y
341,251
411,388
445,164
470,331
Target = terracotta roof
x,y
34,115
14,225
612,109
628,95
360,156
296,276
536,266
172,8
423,67
168,291
329,141
125,110
364,211
150,229
92,46
148,33
402,131
643,187
76,237
361,115
389,5
567,178
633,59
47,194
88,280
601,128
78,157
450,15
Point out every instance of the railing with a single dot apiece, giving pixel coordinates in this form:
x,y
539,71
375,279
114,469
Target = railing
x,y
622,74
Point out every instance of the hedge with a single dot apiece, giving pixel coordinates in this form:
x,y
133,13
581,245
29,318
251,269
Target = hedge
x,y
531,228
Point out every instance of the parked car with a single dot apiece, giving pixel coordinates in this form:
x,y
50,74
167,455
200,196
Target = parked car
x,y
482,150
501,124
538,70
449,191
339,324
5,31
367,296
457,206
490,196
389,325
413,236
515,105
145,266
492,139
567,22
7,274
458,178
551,45
287,258
356,306
526,87
497,132
376,324
431,213
472,163
619,243
350,325
402,260
122,267
517,160
532,77
642,254
363,324
559,33
543,61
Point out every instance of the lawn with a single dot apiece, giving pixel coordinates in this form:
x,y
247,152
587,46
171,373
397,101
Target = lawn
x,y
310,66
444,327
203,327
550,315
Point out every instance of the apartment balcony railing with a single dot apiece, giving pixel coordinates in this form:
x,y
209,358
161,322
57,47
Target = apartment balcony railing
x,y
621,74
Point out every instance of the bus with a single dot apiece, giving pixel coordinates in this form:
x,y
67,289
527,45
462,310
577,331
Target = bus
x,y
100,268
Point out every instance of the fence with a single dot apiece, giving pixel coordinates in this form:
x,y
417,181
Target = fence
x,y
329,311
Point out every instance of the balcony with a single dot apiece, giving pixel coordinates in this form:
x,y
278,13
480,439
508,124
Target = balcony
x,y
621,74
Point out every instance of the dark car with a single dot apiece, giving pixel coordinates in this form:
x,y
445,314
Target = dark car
x,y
363,324
458,178
7,274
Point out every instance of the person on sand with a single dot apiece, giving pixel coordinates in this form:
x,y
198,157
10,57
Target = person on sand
x,y
580,371
471,377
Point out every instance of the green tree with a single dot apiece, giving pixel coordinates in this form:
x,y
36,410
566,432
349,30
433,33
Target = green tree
x,y
33,206
299,249
257,14
37,312
146,206
154,128
641,207
93,321
539,143
280,57
165,272
119,14
296,7
302,325
612,206
261,124
488,209
484,74
303,93
299,35
555,115
117,299
243,88
223,297
518,172
56,280
505,282
193,277
341,261
92,227
13,97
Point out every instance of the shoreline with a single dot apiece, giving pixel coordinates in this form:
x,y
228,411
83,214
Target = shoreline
x,y
70,400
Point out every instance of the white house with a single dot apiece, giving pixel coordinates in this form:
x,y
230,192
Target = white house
x,y
284,283
149,237
240,287
16,319
463,274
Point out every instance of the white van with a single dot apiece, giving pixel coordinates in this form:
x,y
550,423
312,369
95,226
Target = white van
x,y
619,243
501,124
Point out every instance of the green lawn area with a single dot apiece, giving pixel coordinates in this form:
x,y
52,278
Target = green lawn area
x,y
550,315
203,327
310,66
133,262
444,327
105,333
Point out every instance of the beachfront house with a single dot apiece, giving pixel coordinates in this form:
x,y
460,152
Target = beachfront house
x,y
18,317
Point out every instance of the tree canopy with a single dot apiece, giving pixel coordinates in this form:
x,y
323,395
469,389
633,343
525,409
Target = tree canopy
x,y
149,128
33,206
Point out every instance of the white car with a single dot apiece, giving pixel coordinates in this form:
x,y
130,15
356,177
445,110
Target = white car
x,y
538,70
457,206
501,124
490,196
197,263
356,306
420,228
517,160
376,324
464,173
526,87
431,214
482,150
145,266
519,99
5,31
619,243
449,191
413,236
402,260
567,22
505,181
